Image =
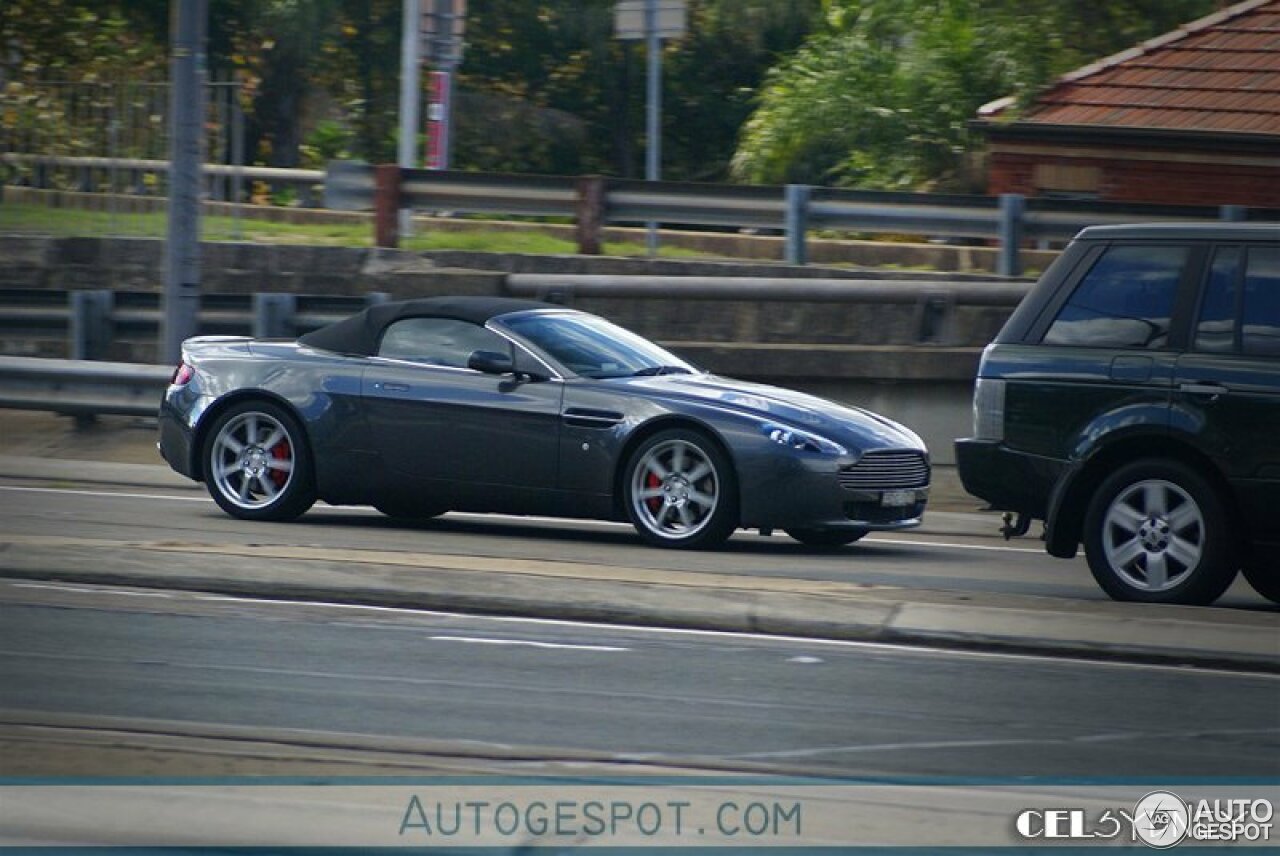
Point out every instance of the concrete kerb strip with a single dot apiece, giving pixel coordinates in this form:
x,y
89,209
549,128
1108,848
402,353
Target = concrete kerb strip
x,y
642,596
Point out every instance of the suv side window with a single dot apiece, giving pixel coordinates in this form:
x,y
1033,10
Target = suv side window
x,y
1216,327
438,341
1261,326
1124,301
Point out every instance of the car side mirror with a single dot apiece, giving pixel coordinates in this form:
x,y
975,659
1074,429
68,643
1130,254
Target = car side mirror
x,y
491,362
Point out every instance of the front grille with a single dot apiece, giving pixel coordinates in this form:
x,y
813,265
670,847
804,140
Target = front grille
x,y
886,470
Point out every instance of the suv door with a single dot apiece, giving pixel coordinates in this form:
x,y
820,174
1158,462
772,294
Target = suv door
x,y
1106,358
1227,395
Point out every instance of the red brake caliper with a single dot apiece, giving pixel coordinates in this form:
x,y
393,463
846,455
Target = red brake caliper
x,y
654,502
280,451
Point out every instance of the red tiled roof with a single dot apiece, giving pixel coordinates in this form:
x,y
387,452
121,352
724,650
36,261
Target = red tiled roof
x,y
1220,73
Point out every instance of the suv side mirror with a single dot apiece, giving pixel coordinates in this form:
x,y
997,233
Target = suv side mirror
x,y
491,362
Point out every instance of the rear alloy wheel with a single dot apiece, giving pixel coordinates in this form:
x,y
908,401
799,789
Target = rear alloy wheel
x,y
1265,580
826,537
256,463
1156,532
680,491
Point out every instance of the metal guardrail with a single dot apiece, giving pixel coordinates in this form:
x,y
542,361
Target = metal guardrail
x,y
89,173
81,387
564,287
1008,220
90,320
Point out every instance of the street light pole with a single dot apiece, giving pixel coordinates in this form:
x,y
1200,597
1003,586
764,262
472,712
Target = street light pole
x,y
410,94
187,27
653,108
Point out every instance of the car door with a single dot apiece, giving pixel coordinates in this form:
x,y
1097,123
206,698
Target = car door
x,y
1227,392
1100,360
432,418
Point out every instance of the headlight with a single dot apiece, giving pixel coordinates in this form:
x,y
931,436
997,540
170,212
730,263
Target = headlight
x,y
795,438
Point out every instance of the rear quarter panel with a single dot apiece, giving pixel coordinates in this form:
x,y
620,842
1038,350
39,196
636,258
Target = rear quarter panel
x,y
322,390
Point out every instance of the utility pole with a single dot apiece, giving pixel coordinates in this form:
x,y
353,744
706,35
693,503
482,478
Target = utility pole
x,y
653,21
188,20
442,30
410,95
653,107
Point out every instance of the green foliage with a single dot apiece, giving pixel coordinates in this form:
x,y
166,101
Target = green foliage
x,y
546,87
882,97
869,93
79,41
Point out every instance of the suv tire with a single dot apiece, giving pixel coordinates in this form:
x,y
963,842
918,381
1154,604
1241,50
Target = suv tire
x,y
1265,580
1157,532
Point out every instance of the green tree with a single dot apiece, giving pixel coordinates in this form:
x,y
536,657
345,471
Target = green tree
x,y
882,95
546,87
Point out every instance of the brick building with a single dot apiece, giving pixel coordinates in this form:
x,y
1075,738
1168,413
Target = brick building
x,y
1189,118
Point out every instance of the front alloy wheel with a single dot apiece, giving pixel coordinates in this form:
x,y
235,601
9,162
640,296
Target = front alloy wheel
x,y
680,491
1156,532
256,466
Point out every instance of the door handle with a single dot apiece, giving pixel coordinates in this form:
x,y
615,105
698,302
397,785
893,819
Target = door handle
x,y
1211,389
391,387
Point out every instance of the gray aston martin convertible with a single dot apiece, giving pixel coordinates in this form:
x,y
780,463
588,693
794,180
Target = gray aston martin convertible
x,y
502,405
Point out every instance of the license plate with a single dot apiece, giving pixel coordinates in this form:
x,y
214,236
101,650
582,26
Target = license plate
x,y
897,498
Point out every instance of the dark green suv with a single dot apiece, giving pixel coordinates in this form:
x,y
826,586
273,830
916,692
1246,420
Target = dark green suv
x,y
1132,402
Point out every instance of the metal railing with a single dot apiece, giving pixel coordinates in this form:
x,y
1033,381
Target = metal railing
x,y
1008,220
80,387
225,181
91,319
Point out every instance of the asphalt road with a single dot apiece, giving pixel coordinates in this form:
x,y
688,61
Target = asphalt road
x,y
511,687
956,562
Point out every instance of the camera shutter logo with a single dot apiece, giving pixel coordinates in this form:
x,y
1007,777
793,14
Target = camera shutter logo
x,y
1161,819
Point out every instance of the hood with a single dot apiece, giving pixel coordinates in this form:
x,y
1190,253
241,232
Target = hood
x,y
852,427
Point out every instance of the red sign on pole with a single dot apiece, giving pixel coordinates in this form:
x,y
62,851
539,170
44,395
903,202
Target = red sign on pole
x,y
437,122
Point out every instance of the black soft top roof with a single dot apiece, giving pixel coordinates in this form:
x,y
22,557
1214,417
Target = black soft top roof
x,y
360,333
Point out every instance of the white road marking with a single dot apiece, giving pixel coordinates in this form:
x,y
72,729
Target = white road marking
x,y
505,518
480,640
83,590
727,635
804,660
104,493
1108,737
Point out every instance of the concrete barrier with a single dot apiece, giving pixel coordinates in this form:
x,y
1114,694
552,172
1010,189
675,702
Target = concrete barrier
x,y
905,344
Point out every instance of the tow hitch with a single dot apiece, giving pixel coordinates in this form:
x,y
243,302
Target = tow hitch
x,y
1012,529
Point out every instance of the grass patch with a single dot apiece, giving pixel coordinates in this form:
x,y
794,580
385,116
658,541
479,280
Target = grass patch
x,y
65,222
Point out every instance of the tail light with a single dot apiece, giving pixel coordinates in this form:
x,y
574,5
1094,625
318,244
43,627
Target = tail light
x,y
182,375
988,409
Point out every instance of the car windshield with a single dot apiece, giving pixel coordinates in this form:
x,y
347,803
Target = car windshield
x,y
592,347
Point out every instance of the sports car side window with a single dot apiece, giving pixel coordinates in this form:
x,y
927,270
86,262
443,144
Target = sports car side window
x,y
438,341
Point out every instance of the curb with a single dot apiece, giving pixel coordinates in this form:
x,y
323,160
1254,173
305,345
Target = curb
x,y
1028,625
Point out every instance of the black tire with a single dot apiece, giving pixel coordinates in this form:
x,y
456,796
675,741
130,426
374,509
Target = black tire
x,y
408,511
1137,553
827,537
1265,580
695,506
251,484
